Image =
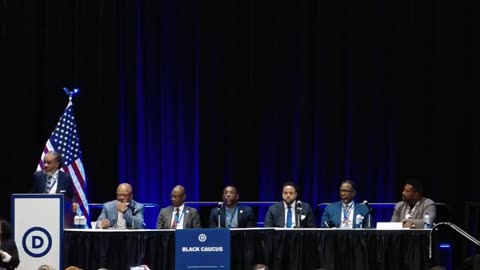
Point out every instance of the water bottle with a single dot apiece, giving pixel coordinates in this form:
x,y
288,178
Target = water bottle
x,y
427,221
82,222
76,221
359,221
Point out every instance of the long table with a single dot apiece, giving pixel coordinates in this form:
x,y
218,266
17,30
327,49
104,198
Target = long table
x,y
306,249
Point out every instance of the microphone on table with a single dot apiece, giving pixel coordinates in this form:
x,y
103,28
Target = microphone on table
x,y
134,212
370,210
219,207
298,213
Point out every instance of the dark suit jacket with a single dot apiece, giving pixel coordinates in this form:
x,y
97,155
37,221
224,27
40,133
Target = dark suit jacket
x,y
133,216
64,185
333,214
245,217
10,247
276,216
191,218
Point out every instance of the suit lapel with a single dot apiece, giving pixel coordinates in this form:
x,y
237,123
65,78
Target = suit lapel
x,y
43,183
240,217
185,216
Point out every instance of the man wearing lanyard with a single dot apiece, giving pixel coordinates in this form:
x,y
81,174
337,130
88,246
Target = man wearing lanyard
x,y
232,215
178,215
342,214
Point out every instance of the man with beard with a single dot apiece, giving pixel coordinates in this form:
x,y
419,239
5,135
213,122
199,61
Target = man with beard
x,y
232,214
282,214
342,214
414,206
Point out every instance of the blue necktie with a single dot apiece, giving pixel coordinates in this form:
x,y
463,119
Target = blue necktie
x,y
289,217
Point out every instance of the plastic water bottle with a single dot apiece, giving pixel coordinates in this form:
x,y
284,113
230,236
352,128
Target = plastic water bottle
x,y
359,221
427,221
82,222
76,221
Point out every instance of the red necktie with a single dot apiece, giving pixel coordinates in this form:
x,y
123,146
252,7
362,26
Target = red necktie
x,y
174,225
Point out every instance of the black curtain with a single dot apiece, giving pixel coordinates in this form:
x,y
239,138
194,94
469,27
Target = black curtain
x,y
205,93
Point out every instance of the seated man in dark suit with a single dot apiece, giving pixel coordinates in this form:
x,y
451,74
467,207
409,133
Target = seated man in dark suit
x,y
122,213
52,180
342,214
282,214
232,215
178,215
414,206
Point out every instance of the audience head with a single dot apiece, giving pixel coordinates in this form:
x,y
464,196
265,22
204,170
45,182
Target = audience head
x,y
260,266
45,267
124,193
412,191
73,268
51,162
289,192
178,195
347,191
230,196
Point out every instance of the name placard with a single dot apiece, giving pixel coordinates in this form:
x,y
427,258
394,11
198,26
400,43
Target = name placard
x,y
202,249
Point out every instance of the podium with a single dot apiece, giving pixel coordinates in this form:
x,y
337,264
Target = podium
x,y
38,222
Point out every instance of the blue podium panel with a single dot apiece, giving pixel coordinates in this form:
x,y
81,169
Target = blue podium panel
x,y
202,249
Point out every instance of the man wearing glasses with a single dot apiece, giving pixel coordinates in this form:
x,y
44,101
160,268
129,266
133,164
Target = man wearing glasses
x,y
178,215
342,214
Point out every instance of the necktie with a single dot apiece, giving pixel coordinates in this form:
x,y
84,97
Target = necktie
x,y
289,217
177,216
49,185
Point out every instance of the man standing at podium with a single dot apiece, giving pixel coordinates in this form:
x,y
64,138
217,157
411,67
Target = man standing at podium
x,y
52,180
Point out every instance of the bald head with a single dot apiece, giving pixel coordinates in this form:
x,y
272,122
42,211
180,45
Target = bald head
x,y
124,193
178,195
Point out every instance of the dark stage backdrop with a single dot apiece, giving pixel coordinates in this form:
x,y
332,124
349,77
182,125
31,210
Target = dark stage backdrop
x,y
206,93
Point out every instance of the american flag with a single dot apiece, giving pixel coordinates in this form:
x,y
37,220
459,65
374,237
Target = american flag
x,y
64,139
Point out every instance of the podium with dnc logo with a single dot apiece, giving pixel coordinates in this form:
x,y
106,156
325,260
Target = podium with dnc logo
x,y
202,248
37,220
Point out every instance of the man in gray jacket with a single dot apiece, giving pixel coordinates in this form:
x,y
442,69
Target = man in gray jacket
x,y
411,210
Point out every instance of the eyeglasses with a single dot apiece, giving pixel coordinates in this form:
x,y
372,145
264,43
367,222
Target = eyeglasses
x,y
345,191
